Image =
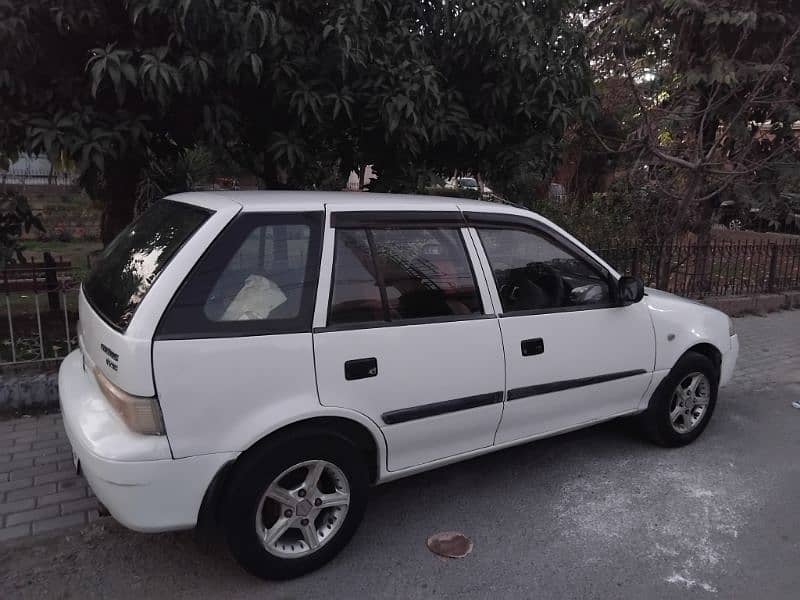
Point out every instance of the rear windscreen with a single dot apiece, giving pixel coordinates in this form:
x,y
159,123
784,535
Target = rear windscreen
x,y
130,264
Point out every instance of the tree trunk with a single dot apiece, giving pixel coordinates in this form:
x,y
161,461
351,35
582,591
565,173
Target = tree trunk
x,y
664,266
119,198
677,226
704,257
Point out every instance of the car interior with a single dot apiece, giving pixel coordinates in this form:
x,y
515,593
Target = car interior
x,y
542,286
423,273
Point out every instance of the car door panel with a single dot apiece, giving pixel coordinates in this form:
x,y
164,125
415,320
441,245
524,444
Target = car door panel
x,y
595,364
434,383
567,363
458,363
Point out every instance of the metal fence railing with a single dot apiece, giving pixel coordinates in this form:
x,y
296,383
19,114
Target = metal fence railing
x,y
717,269
41,304
27,177
41,300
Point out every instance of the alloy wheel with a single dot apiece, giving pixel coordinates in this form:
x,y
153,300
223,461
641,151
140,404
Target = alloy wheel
x,y
303,509
689,402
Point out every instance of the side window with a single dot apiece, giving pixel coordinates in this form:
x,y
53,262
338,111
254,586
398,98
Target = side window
x,y
399,274
258,277
426,273
534,273
356,296
265,277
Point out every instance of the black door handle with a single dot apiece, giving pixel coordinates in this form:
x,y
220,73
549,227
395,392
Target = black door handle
x,y
532,347
360,368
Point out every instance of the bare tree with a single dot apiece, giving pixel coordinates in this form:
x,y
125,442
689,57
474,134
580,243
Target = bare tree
x,y
713,100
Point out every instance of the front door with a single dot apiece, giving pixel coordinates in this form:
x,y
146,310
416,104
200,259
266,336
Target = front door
x,y
407,340
573,355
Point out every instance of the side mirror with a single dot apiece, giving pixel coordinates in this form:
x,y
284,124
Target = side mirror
x,y
630,290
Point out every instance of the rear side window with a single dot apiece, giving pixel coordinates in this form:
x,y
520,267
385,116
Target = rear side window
x,y
259,277
399,274
131,263
265,278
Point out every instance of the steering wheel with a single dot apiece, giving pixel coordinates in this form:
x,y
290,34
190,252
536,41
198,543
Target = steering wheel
x,y
520,293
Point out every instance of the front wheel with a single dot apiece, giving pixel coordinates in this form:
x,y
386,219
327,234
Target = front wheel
x,y
683,403
294,504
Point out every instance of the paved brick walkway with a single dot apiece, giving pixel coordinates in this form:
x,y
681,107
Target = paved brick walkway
x,y
39,490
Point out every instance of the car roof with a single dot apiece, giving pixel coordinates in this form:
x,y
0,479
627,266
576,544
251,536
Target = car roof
x,y
298,201
260,201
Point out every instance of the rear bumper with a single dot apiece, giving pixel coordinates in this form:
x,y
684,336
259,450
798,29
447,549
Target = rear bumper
x,y
133,475
729,359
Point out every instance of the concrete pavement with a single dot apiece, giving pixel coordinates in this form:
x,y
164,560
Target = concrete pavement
x,y
598,513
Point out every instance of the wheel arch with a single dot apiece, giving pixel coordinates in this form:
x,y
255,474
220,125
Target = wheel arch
x,y
372,448
710,351
705,348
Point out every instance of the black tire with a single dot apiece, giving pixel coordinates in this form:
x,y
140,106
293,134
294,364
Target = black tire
x,y
254,473
655,421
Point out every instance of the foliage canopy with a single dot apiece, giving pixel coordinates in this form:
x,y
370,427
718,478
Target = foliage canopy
x,y
412,87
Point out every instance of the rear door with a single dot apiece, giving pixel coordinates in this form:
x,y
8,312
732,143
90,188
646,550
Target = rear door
x,y
573,354
406,334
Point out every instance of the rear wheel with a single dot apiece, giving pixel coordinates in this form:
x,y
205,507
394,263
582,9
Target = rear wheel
x,y
683,403
294,504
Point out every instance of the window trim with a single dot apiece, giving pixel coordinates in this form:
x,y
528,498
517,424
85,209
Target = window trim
x,y
225,246
508,222
393,219
388,322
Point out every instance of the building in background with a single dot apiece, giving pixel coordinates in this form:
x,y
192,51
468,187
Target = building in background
x,y
37,170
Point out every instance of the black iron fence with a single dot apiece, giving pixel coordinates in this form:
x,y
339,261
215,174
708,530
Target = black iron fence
x,y
717,269
41,298
41,305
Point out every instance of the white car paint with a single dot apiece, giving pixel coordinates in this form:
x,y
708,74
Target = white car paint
x,y
220,396
680,324
132,474
577,345
417,362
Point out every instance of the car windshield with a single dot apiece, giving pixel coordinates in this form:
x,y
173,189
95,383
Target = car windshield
x,y
468,182
131,263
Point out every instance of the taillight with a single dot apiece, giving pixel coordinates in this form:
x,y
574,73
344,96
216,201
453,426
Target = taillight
x,y
140,414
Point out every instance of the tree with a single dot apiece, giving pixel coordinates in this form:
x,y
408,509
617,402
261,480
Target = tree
x,y
489,89
714,97
67,90
289,88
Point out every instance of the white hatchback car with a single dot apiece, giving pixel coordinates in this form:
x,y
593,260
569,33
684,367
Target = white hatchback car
x,y
261,358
